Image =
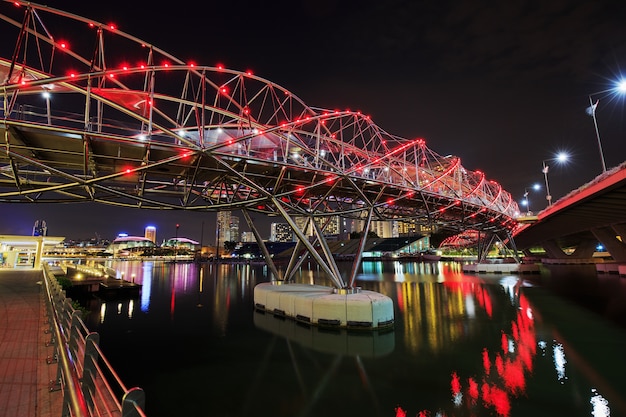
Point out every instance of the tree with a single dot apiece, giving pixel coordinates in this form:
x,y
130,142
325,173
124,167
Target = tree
x,y
230,245
357,235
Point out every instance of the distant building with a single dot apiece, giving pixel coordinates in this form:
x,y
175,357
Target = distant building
x,y
332,226
247,237
40,228
280,232
129,245
180,243
150,233
383,228
234,228
227,228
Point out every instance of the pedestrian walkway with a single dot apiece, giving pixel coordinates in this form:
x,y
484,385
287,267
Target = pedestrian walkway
x,y
25,374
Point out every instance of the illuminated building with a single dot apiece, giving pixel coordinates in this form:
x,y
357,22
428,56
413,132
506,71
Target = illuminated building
x,y
125,245
333,225
248,237
40,228
280,232
227,228
180,243
234,228
384,229
150,233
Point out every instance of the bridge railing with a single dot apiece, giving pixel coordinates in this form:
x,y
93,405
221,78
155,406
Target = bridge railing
x,y
90,385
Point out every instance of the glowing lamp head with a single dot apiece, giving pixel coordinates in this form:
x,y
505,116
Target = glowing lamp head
x,y
621,86
562,157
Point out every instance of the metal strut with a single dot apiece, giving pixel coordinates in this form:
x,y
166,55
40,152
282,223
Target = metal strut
x,y
337,280
359,254
266,254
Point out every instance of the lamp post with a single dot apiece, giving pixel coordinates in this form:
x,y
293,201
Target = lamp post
x,y
526,201
176,242
46,96
619,88
591,110
560,158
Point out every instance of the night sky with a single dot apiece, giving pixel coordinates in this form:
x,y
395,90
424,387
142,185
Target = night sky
x,y
501,84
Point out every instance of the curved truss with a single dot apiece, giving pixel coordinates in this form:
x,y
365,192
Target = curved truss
x,y
161,133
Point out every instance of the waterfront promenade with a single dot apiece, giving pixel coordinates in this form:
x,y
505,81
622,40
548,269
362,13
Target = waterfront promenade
x,y
24,373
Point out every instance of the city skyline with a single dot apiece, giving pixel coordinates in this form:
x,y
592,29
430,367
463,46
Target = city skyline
x,y
504,87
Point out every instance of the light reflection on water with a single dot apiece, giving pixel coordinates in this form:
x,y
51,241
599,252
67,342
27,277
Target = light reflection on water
x,y
461,345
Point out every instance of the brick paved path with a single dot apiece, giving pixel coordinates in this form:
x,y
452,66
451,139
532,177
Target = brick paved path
x,y
24,373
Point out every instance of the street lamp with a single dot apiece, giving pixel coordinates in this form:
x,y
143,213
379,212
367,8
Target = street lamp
x,y
619,88
46,95
176,242
560,158
526,200
591,110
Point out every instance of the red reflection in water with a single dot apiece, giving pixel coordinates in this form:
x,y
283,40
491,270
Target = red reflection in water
x,y
472,390
518,347
505,342
455,384
497,398
499,364
486,362
514,376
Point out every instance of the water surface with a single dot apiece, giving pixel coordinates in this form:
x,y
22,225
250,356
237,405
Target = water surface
x,y
462,345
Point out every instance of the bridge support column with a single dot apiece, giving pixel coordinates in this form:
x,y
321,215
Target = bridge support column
x,y
553,250
620,229
259,239
359,254
584,250
338,280
607,236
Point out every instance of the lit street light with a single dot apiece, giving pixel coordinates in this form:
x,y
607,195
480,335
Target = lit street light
x,y
619,88
591,110
526,200
560,158
46,96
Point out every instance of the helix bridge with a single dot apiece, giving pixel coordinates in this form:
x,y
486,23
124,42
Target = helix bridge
x,y
98,115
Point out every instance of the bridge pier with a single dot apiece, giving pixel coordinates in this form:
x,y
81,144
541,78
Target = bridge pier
x,y
345,306
608,236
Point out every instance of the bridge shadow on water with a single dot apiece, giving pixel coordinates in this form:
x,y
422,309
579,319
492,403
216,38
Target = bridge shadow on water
x,y
461,344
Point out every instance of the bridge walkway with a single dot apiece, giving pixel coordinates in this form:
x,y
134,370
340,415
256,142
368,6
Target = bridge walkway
x,y
24,373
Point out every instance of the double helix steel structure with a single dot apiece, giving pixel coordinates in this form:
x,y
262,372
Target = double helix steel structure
x,y
106,117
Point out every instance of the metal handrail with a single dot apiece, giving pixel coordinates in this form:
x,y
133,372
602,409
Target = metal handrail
x,y
89,382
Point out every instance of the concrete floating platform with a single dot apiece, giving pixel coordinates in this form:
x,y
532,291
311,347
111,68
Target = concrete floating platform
x,y
611,268
325,306
571,261
502,268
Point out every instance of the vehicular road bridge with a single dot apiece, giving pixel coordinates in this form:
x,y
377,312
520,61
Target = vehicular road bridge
x,y
595,212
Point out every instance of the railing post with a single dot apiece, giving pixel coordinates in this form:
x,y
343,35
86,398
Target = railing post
x,y
74,332
90,365
133,402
